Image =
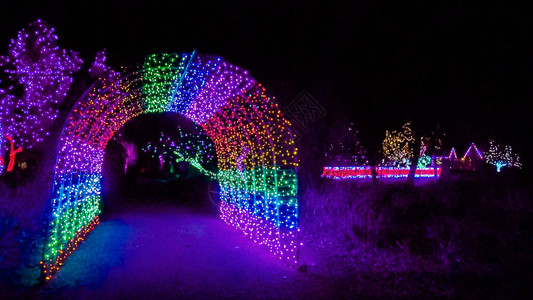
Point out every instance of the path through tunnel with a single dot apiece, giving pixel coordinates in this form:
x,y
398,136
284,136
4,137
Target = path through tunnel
x,y
159,225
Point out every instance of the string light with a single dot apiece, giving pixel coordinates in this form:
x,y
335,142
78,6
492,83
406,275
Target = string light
x,y
452,155
477,152
195,149
12,153
365,172
345,147
502,156
1,149
423,161
397,145
45,72
98,67
255,150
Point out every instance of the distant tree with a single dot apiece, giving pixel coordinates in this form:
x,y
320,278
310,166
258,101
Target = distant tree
x,y
35,76
402,147
398,145
425,144
195,149
345,148
501,156
432,142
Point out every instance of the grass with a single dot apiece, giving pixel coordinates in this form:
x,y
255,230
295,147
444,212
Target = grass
x,y
464,230
24,196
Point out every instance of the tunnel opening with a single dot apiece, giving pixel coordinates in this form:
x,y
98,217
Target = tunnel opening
x,y
133,175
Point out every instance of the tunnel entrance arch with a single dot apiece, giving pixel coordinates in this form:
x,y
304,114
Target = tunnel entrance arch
x,y
255,149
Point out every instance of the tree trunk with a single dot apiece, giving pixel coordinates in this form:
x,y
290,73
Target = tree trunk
x,y
374,174
416,155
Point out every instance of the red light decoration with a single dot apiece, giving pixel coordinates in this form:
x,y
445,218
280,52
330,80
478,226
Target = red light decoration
x,y
365,172
12,154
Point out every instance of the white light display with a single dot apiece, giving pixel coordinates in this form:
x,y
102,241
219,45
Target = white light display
x,y
502,156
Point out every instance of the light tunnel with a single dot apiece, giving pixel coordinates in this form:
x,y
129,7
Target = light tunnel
x,y
254,145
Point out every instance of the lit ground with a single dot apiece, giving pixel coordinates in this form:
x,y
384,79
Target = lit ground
x,y
164,252
169,253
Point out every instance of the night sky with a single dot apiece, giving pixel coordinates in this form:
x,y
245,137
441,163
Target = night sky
x,y
464,66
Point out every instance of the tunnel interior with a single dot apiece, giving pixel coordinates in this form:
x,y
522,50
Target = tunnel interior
x,y
134,176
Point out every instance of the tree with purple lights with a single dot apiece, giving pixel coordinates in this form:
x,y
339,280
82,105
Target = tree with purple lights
x,y
99,67
35,76
2,167
502,156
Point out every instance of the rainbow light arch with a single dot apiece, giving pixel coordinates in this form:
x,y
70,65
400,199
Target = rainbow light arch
x,y
255,148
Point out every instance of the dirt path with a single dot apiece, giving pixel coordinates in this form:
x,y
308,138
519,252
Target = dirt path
x,y
169,253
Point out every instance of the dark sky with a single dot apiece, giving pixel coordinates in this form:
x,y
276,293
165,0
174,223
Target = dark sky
x,y
465,66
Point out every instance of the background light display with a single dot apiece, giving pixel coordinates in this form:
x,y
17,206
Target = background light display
x,y
502,156
194,149
255,149
365,172
453,154
424,160
476,151
398,145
